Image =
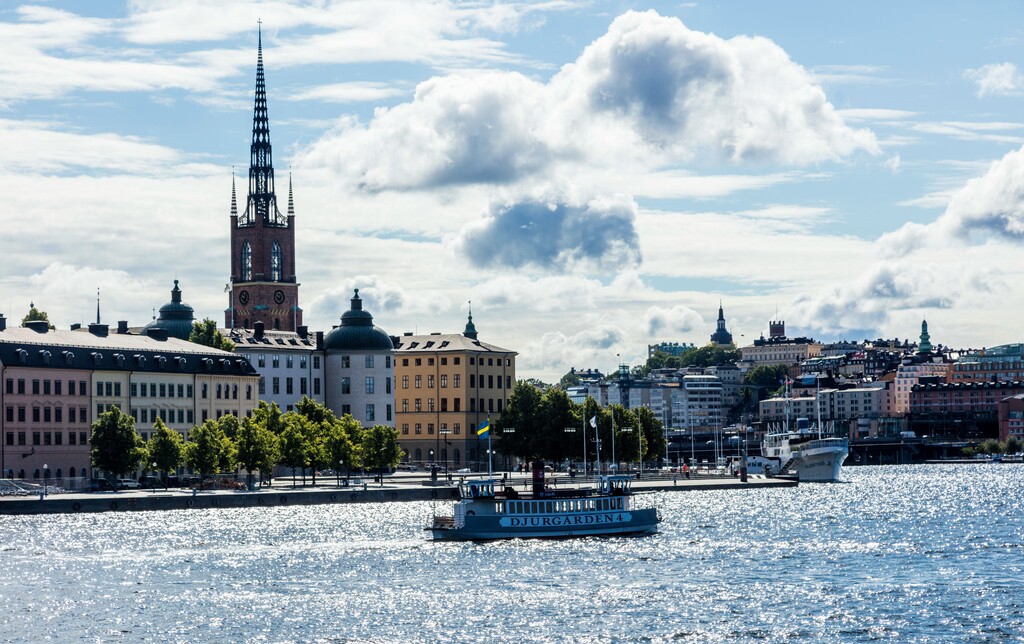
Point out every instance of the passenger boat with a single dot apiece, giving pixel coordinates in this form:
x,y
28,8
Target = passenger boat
x,y
483,512
814,456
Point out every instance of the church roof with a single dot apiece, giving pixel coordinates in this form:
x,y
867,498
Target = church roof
x,y
176,317
357,332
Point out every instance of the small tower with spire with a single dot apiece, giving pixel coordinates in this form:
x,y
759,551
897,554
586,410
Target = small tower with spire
x,y
721,334
925,346
264,287
470,331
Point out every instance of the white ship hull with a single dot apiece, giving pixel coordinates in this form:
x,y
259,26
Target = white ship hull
x,y
821,464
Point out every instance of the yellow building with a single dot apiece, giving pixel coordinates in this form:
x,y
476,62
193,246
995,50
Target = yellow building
x,y
446,385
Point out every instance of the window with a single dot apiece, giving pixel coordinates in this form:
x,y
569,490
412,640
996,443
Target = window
x,y
405,382
430,404
316,362
72,439
10,414
346,409
405,428
21,385
276,385
71,415
369,412
457,404
430,362
430,429
46,387
275,361
35,414
316,386
288,362
346,385
369,362
82,391
152,390
430,381
456,428
163,390
419,382
387,385
490,382
472,380
387,362
457,380
261,360
263,385
133,390
419,361
345,362
303,386
36,438
419,428
21,438
58,438
246,262
10,385
234,392
405,405
388,412
419,404
444,382
444,404
219,390
444,361
405,362
288,386
275,262
46,415
369,385
35,387
508,382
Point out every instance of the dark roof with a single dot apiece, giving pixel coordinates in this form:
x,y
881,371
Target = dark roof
x,y
115,352
444,342
357,332
175,317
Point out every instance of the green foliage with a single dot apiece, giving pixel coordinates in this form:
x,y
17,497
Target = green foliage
x,y
269,417
538,384
342,443
989,446
207,334
297,441
570,379
627,444
552,441
230,425
523,415
653,431
706,356
1011,446
166,449
204,451
765,378
380,448
35,314
115,446
257,447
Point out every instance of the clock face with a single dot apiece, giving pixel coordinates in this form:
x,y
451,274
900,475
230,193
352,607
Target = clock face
x,y
243,297
279,296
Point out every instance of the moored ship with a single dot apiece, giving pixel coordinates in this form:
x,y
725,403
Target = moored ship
x,y
485,512
814,456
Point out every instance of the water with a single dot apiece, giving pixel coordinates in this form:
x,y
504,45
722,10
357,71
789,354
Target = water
x,y
897,553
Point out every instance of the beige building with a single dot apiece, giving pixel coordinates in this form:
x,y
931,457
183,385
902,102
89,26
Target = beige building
x,y
446,385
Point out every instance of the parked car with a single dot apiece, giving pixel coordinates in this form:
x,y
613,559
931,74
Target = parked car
x,y
127,484
100,485
150,482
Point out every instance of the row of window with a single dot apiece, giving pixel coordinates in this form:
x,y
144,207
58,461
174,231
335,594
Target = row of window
x,y
179,416
289,386
371,412
53,414
45,474
491,362
47,387
418,428
368,362
369,385
47,438
289,361
457,381
492,406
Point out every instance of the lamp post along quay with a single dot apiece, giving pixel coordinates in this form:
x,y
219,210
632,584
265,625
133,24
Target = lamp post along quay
x,y
507,430
572,430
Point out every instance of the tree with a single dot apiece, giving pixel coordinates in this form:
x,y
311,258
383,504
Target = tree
x,y
115,446
627,444
207,334
166,449
295,443
339,446
323,420
552,442
204,449
34,315
653,433
257,448
268,416
380,449
522,414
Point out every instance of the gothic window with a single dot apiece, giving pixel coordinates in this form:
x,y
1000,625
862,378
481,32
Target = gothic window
x,y
246,262
275,262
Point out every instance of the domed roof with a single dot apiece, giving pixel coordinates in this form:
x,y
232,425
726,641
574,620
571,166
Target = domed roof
x,y
357,332
176,317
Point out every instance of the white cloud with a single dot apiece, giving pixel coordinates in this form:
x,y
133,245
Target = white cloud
x,y
347,92
996,79
649,92
676,321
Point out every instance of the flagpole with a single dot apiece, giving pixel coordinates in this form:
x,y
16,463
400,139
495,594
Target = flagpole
x,y
584,415
490,455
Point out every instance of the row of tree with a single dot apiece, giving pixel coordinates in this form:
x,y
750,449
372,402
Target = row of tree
x,y
551,427
311,437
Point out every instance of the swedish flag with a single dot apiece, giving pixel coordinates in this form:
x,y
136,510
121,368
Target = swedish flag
x,y
483,428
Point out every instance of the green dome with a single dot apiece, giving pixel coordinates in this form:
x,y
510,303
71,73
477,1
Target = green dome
x,y
175,317
357,332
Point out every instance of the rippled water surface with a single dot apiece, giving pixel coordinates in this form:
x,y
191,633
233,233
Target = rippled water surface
x,y
898,553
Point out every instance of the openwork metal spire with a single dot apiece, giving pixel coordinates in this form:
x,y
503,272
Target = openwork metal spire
x,y
291,200
262,201
234,202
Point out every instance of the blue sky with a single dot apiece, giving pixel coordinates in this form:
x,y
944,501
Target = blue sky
x,y
594,176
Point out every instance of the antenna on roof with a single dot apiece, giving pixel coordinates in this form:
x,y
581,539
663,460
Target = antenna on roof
x,y
97,305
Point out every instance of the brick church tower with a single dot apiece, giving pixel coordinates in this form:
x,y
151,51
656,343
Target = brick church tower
x,y
263,284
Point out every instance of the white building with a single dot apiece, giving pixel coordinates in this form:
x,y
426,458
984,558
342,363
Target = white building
x,y
290,364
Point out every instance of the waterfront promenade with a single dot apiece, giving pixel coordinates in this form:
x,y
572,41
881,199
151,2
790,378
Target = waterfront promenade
x,y
397,487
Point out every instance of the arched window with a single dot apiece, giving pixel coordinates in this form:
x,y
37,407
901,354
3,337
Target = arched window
x,y
458,458
246,262
21,474
419,454
59,473
275,262
72,472
37,474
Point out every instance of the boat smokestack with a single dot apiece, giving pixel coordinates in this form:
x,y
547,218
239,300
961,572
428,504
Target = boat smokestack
x,y
538,477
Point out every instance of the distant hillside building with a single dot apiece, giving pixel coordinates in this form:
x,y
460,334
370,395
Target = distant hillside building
x,y
721,336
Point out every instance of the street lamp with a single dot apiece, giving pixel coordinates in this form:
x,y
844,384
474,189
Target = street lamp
x,y
572,430
338,472
433,466
45,469
639,445
445,431
507,430
154,469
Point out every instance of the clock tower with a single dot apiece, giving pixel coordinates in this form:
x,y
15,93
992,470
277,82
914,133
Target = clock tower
x,y
263,284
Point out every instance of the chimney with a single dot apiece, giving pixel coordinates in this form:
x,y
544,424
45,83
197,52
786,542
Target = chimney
x,y
156,334
99,330
3,322
303,331
257,330
320,340
39,326
76,326
122,327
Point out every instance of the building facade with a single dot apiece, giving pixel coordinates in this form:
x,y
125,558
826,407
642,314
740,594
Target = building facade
x,y
290,365
56,383
446,386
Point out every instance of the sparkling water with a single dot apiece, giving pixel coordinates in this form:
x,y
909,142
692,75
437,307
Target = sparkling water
x,y
894,553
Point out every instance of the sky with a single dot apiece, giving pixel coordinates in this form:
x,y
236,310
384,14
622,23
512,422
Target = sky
x,y
593,176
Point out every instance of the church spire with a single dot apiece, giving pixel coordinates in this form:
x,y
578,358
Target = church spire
x,y
470,331
262,201
234,201
925,346
291,200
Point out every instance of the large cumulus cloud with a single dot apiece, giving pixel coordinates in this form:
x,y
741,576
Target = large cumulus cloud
x,y
650,91
991,204
600,234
